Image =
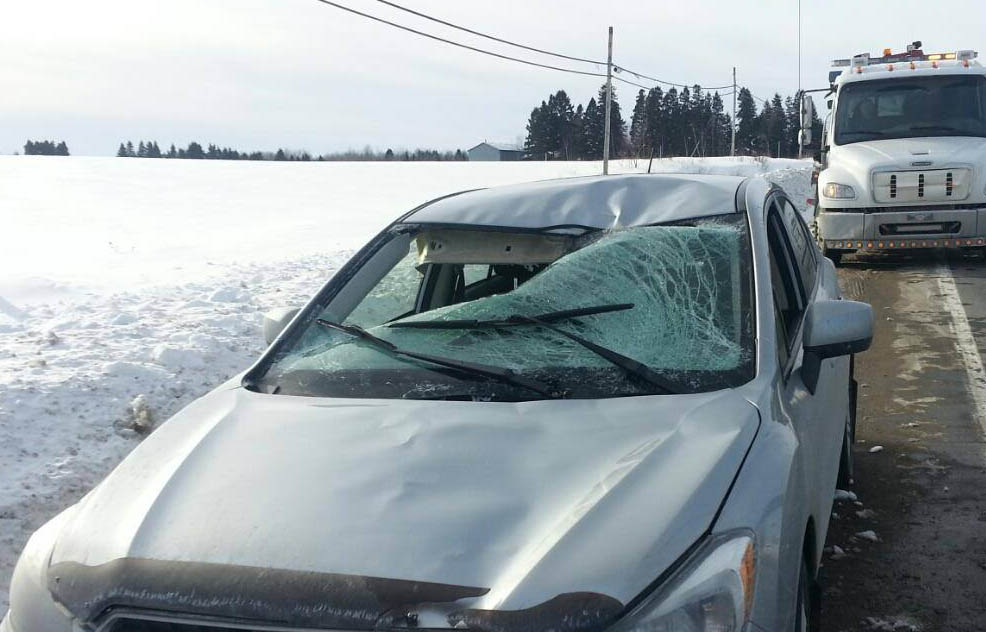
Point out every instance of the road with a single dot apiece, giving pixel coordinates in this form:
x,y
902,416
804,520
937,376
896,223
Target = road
x,y
920,453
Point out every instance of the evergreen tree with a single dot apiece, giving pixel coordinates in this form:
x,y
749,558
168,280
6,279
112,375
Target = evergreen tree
x,y
153,151
538,143
560,122
656,123
389,155
172,152
130,149
673,128
578,133
61,149
122,151
194,151
638,126
280,155
776,127
593,124
746,123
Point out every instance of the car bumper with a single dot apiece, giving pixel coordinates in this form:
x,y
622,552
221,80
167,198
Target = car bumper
x,y
911,228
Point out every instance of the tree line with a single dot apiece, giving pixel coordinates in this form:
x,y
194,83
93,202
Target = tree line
x,y
689,122
195,151
45,148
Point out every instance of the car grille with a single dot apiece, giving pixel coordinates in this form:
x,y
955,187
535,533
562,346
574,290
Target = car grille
x,y
938,185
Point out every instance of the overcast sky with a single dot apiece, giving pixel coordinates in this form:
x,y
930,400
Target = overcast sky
x,y
262,74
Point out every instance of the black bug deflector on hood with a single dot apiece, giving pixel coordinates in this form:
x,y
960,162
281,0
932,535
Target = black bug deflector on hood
x,y
272,597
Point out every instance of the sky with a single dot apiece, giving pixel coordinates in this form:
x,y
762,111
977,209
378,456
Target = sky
x,y
298,74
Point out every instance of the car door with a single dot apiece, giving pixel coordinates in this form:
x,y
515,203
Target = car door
x,y
818,419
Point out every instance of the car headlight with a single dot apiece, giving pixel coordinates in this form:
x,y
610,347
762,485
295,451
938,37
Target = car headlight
x,y
713,590
31,605
836,191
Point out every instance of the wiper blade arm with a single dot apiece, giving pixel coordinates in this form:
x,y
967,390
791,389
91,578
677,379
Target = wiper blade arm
x,y
944,128
865,131
474,368
629,365
515,319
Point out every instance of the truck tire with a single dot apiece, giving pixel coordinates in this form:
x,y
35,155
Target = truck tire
x,y
834,255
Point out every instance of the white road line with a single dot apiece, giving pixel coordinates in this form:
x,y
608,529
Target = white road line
x,y
965,342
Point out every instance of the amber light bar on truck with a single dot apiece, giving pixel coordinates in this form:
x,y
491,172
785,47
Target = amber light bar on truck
x,y
886,244
913,54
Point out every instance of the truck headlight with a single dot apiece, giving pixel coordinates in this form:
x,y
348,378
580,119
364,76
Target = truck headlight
x,y
836,191
713,590
32,607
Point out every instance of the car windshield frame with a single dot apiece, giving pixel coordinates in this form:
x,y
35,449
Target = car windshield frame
x,y
870,127
263,377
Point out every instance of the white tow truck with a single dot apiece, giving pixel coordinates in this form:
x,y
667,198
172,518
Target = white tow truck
x,y
903,153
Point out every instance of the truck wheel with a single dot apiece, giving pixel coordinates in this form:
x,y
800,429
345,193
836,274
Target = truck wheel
x,y
834,255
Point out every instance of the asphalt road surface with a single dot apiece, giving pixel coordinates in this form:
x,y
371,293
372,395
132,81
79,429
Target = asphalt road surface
x,y
920,453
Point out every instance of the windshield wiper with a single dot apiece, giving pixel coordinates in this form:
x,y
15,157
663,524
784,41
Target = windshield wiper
x,y
943,128
483,370
629,365
865,131
516,319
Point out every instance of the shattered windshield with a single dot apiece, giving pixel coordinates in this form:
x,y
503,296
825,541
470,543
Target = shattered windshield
x,y
951,105
675,298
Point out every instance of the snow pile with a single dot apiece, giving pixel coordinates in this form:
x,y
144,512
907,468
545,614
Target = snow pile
x,y
131,287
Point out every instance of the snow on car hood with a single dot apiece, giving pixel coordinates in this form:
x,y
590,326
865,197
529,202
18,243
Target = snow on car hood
x,y
334,513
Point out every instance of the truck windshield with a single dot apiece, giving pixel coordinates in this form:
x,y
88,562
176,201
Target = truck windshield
x,y
677,299
950,105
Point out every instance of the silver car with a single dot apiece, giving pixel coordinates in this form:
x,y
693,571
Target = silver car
x,y
615,403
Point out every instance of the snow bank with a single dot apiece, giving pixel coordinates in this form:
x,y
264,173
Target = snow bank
x,y
131,287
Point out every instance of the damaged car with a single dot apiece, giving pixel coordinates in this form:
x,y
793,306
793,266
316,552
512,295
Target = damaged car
x,y
608,403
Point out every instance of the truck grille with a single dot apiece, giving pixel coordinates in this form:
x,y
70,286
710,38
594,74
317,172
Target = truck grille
x,y
939,185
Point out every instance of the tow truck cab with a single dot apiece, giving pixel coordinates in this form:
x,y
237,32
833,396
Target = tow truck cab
x,y
903,158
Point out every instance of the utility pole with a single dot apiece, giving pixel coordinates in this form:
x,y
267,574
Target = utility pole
x,y
609,102
732,146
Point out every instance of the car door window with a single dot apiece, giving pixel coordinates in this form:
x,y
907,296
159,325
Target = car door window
x,y
801,245
788,293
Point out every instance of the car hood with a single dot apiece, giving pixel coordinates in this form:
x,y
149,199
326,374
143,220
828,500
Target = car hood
x,y
336,513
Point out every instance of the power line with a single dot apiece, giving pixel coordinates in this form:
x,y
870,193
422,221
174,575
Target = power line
x,y
616,67
640,75
459,44
491,53
490,37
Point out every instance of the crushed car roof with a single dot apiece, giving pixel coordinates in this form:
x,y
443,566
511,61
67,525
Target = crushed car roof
x,y
595,202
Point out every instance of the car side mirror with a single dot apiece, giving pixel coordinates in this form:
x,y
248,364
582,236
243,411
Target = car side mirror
x,y
276,320
834,329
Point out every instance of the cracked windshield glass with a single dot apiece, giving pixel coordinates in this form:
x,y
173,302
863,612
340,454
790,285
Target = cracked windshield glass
x,y
675,298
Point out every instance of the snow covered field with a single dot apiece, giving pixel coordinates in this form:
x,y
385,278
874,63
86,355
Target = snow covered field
x,y
130,287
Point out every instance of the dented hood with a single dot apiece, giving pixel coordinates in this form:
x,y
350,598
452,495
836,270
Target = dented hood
x,y
335,513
